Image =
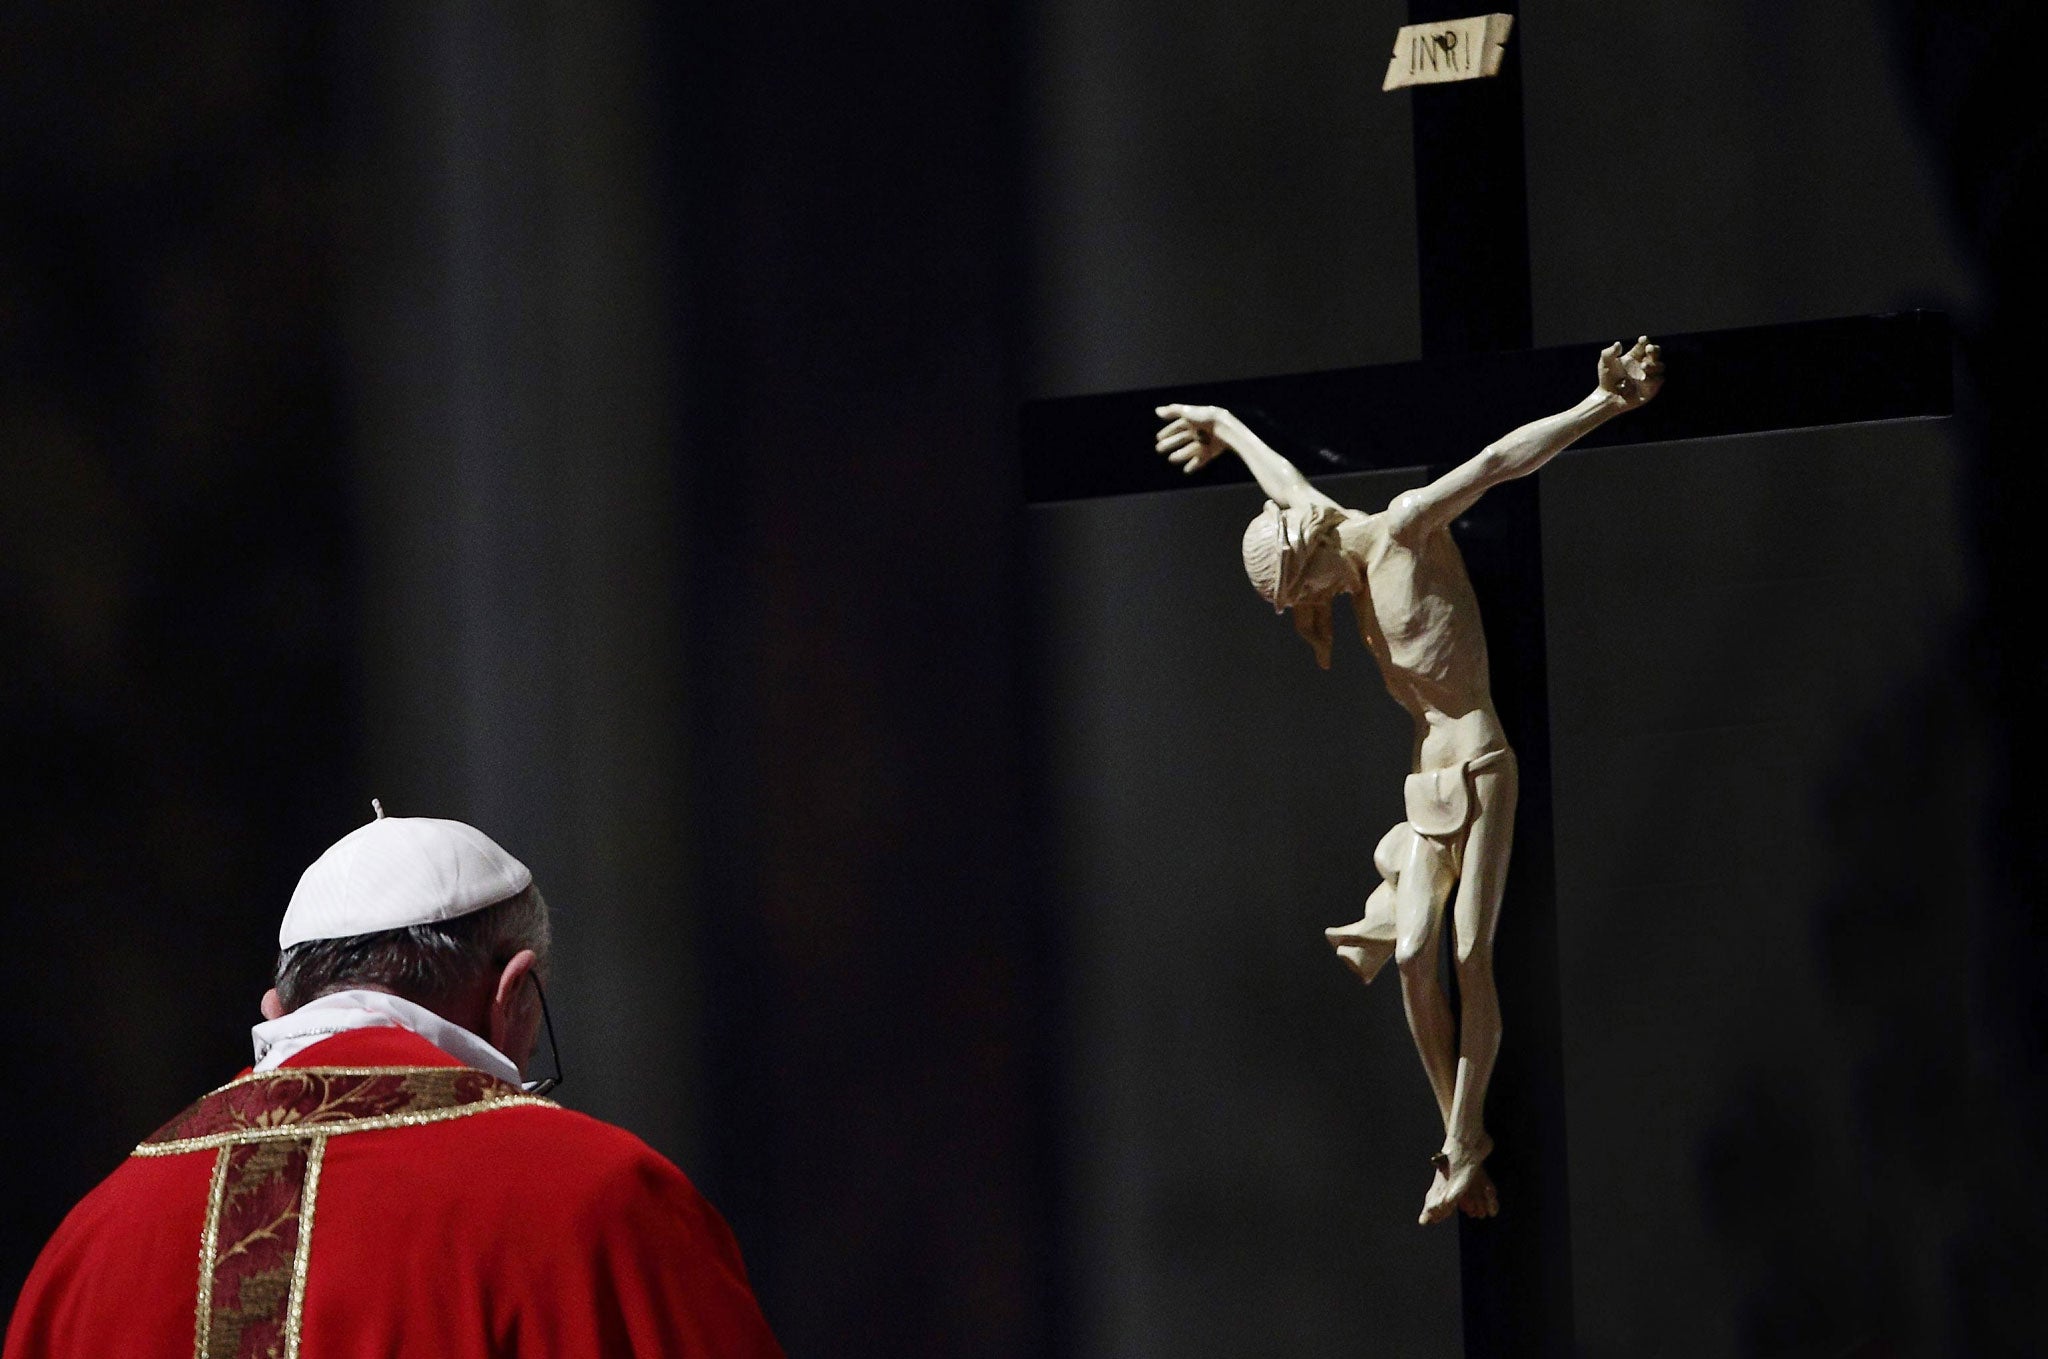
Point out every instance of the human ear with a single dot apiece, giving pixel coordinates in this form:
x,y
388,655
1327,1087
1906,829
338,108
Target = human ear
x,y
515,1021
271,1005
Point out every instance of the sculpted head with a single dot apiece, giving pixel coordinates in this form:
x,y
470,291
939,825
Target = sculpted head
x,y
1294,561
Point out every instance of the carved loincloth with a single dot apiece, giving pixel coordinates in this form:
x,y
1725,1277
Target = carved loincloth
x,y
1442,803
1441,806
1367,944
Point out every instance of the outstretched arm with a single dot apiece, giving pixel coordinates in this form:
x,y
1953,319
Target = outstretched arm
x,y
1194,436
1626,381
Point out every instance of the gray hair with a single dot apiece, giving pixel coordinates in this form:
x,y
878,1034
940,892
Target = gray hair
x,y
426,964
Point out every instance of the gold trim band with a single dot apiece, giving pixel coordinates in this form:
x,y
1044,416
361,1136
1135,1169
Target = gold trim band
x,y
209,1251
287,1131
295,1313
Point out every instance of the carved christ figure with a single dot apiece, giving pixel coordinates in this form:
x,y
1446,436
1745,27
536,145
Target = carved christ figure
x,y
1417,615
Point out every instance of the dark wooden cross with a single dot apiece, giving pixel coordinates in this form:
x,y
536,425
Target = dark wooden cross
x,y
1479,376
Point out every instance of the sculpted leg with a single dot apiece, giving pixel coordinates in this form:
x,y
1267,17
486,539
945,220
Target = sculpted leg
x,y
1420,893
1477,914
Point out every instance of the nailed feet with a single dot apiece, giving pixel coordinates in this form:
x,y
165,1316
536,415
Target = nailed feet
x,y
1461,1183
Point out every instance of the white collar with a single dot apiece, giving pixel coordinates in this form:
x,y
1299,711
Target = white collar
x,y
279,1040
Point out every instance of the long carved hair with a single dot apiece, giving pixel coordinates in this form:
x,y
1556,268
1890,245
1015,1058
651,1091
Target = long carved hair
x,y
1313,622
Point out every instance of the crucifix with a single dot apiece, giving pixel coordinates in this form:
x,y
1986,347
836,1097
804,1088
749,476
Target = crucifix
x,y
1480,376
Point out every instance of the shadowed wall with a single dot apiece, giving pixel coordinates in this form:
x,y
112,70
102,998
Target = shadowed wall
x,y
177,559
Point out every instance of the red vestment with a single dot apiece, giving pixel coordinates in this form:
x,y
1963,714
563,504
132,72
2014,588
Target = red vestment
x,y
372,1197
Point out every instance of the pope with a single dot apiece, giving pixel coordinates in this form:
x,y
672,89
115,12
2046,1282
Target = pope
x,y
383,1181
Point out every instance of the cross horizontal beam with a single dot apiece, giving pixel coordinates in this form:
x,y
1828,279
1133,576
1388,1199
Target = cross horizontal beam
x,y
1752,380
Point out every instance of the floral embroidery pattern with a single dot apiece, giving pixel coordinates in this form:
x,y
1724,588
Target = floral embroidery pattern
x,y
294,1102
258,1227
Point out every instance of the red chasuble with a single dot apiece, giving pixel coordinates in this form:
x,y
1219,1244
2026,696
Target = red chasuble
x,y
372,1197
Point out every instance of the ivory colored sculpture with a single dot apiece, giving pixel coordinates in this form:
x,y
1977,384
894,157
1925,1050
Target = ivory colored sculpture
x,y
1417,615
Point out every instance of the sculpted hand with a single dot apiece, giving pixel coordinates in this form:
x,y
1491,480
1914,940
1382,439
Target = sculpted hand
x,y
1191,437
1635,376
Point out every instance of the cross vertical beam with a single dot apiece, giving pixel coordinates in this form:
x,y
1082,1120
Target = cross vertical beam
x,y
1515,1269
1472,248
1471,213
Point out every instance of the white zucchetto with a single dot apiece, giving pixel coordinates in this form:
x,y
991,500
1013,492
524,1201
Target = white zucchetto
x,y
399,871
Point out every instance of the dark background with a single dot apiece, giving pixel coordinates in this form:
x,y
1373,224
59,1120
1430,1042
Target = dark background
x,y
597,423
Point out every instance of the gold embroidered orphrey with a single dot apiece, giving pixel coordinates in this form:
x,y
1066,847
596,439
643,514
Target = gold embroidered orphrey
x,y
269,1132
